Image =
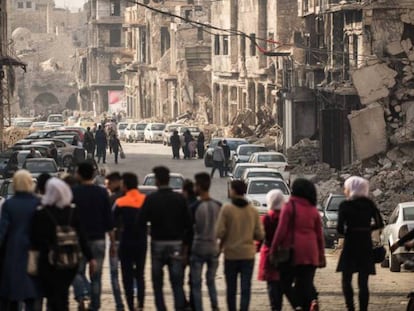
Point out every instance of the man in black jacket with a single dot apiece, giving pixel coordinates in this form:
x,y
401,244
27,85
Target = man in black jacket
x,y
171,227
227,154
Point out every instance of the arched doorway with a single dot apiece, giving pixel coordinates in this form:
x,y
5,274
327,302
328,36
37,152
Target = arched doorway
x,y
46,103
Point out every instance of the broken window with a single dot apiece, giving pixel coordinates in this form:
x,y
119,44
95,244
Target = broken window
x,y
252,44
225,45
187,14
114,74
29,4
115,7
216,45
200,34
243,46
165,40
20,5
115,37
143,44
190,1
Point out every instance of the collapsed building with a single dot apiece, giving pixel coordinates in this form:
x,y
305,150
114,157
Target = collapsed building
x,y
166,62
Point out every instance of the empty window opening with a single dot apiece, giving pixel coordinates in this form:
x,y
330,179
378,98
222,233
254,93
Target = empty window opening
x,y
115,7
114,74
225,45
20,5
165,40
29,4
115,37
143,44
200,34
252,44
216,45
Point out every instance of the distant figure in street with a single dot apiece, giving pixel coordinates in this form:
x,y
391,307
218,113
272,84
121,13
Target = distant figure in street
x,y
205,249
95,216
101,144
357,218
227,153
200,145
175,145
32,154
192,148
238,226
16,286
116,146
218,159
76,142
170,220
133,240
188,138
275,201
89,142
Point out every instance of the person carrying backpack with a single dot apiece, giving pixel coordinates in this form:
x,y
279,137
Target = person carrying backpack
x,y
60,243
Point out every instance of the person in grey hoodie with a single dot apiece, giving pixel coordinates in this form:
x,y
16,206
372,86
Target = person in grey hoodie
x,y
218,159
205,248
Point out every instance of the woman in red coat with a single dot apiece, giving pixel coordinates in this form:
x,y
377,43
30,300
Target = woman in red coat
x,y
275,201
300,226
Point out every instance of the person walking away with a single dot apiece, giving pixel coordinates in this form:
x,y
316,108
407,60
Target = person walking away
x,y
300,228
187,140
205,249
113,185
170,220
89,142
133,240
101,144
95,217
275,201
200,145
218,159
227,153
116,145
57,213
358,216
16,286
238,226
175,145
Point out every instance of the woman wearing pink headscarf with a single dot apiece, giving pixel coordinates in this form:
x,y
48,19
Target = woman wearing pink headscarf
x,y
358,216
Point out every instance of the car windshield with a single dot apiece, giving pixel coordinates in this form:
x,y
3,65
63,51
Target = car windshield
x,y
247,151
271,158
157,127
264,174
24,124
141,127
41,167
408,213
333,204
233,144
193,129
175,182
263,187
67,139
38,134
239,171
122,126
172,128
55,119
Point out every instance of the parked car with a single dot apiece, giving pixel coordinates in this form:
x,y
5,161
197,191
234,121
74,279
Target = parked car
x,y
243,153
176,181
37,126
38,166
6,168
120,128
7,189
274,160
58,132
24,124
400,223
258,187
85,122
238,172
44,150
261,172
54,121
129,133
65,151
168,132
66,138
232,142
194,130
153,132
329,213
139,131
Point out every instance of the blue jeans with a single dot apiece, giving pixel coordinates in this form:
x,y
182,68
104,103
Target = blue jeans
x,y
232,269
197,263
116,289
167,254
84,288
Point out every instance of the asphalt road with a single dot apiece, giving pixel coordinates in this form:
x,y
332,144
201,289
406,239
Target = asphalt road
x,y
388,290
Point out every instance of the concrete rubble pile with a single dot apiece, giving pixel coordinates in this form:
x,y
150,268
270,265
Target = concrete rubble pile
x,y
306,152
13,134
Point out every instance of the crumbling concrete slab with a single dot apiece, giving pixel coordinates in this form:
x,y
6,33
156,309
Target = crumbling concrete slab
x,y
373,82
368,131
395,48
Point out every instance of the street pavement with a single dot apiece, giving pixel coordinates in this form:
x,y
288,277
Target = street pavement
x,y
388,290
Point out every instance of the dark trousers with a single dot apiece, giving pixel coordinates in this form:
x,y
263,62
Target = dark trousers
x,y
275,292
217,165
132,266
176,152
200,150
232,270
101,153
116,152
304,291
30,305
349,292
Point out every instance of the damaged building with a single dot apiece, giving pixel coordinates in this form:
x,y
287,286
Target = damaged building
x,y
167,59
359,63
46,39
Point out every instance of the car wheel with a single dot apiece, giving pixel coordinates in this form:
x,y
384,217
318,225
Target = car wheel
x,y
395,265
67,161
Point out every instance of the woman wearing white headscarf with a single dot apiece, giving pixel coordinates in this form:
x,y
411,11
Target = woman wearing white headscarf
x,y
56,210
358,216
275,201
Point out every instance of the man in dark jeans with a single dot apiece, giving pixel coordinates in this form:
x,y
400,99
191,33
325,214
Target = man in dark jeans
x,y
95,217
170,220
113,184
133,242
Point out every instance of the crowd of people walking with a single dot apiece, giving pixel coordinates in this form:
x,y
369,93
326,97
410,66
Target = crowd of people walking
x,y
191,147
56,238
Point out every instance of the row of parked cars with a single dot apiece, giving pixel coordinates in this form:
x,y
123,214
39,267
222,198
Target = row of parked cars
x,y
153,132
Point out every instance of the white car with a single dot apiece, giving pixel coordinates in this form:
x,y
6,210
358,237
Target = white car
x,y
243,153
194,130
153,132
400,223
272,159
120,128
258,187
130,133
261,172
176,181
168,132
54,121
139,131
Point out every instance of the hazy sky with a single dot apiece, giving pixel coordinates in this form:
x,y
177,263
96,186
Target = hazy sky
x,y
69,3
